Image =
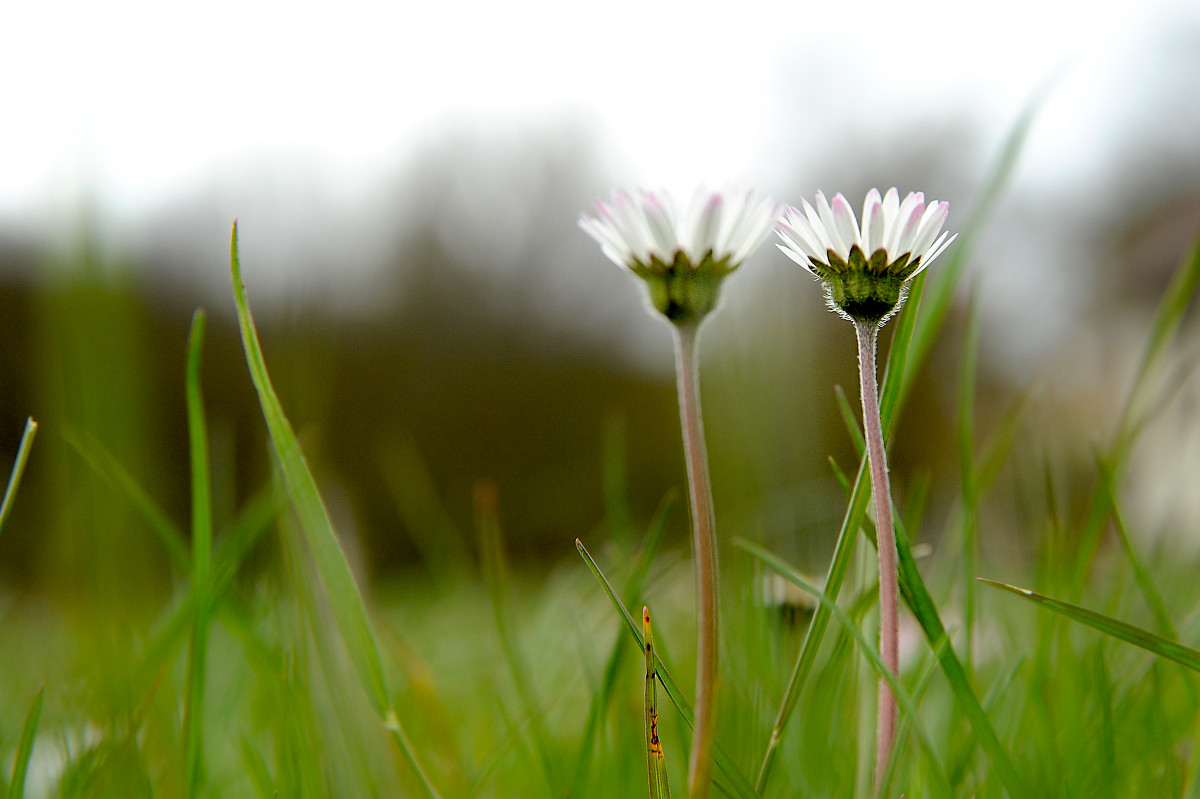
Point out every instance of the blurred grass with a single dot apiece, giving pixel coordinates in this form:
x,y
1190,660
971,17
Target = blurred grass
x,y
260,649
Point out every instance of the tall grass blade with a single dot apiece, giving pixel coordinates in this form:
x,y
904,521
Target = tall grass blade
x,y
966,464
656,759
1163,647
1166,322
440,541
949,271
850,420
730,779
1141,575
633,593
344,597
14,478
346,603
499,588
16,788
104,464
193,707
941,783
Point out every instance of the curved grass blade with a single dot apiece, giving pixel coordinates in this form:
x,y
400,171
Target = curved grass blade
x,y
731,780
656,759
1166,323
1141,575
14,479
633,591
1163,647
16,788
345,600
105,464
941,783
499,588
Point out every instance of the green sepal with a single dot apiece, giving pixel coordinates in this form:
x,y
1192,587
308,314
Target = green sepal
x,y
684,293
867,289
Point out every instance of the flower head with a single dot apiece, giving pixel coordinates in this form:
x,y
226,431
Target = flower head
x,y
682,259
866,269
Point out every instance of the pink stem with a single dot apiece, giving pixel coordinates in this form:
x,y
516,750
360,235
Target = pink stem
x,y
704,543
889,595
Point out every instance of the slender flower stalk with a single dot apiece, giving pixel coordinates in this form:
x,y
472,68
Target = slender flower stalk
x,y
704,543
683,261
866,271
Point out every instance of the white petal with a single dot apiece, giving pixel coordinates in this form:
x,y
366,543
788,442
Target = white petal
x,y
937,249
891,209
797,257
931,222
843,215
910,218
705,226
873,226
660,223
757,219
802,233
607,238
872,198
818,228
836,242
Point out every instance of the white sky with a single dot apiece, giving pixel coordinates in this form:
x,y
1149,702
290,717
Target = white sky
x,y
139,100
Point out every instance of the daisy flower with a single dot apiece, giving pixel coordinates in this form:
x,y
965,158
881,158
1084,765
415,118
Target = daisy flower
x,y
684,257
866,268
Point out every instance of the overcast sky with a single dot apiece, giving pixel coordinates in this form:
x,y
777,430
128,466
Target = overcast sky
x,y
139,100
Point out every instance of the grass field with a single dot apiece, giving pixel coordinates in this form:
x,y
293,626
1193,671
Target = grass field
x,y
243,652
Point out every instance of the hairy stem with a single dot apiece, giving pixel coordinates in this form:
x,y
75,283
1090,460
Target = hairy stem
x,y
889,597
704,543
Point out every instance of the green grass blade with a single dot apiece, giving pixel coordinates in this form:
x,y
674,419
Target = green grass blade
x,y
734,782
1108,748
633,593
14,479
193,707
108,468
966,464
839,566
1166,323
1163,647
850,420
1141,575
656,758
16,788
916,595
437,537
949,270
614,474
345,600
344,597
500,589
941,782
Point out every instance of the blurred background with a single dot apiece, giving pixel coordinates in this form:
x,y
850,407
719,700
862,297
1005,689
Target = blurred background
x,y
407,179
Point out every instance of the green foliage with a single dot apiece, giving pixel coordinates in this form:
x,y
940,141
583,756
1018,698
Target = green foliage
x,y
265,664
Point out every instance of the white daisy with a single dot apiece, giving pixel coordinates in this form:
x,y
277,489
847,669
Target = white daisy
x,y
866,268
683,258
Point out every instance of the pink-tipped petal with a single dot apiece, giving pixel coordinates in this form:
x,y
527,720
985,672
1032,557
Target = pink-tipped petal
x,y
873,225
847,225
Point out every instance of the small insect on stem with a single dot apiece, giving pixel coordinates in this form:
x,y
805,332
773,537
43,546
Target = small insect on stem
x,y
656,764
